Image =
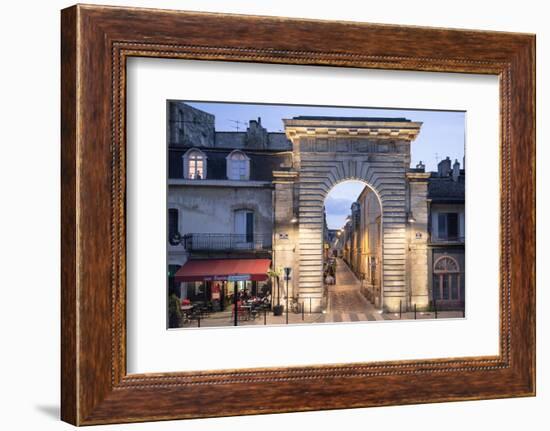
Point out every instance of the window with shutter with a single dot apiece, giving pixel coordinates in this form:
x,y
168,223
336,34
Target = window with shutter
x,y
238,166
173,222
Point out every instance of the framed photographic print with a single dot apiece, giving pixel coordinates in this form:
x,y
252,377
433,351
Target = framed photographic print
x,y
252,205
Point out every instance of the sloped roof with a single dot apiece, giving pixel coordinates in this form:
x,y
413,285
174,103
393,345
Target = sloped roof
x,y
262,163
444,189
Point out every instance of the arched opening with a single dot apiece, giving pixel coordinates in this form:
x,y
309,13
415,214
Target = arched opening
x,y
352,247
238,166
194,165
447,285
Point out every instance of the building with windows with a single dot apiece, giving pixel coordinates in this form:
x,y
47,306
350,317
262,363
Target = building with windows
x,y
436,222
446,245
220,209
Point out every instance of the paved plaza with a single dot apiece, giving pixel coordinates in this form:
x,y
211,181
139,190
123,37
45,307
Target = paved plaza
x,y
345,301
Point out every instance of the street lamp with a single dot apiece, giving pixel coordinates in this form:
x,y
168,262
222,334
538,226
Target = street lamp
x,y
410,217
294,219
287,277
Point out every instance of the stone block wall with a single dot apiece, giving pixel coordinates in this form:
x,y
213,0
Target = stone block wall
x,y
417,259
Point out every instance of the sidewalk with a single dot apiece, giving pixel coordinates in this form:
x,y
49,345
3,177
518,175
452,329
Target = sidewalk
x,y
224,318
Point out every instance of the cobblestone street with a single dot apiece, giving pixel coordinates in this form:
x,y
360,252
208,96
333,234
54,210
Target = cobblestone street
x,y
347,304
345,301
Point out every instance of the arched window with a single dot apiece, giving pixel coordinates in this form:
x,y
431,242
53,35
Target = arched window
x,y
238,166
194,165
447,283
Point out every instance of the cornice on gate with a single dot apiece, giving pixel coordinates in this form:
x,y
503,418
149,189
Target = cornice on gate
x,y
335,127
284,177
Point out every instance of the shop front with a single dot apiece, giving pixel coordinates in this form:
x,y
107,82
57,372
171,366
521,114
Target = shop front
x,y
216,281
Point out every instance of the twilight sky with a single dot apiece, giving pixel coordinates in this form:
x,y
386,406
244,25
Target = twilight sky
x,y
441,135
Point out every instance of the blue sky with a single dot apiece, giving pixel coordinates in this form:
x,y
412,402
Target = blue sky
x,y
441,135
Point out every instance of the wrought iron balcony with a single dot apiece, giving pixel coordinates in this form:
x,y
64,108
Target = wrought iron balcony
x,y
226,241
447,239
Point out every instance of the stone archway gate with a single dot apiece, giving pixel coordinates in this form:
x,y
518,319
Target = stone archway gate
x,y
326,151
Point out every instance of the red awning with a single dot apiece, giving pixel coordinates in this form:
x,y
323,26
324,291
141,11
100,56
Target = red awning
x,y
221,269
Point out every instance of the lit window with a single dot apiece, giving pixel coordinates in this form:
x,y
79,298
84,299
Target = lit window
x,y
195,165
238,166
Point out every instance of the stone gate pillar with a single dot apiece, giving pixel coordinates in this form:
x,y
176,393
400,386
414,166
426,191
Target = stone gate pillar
x,y
329,150
417,262
285,235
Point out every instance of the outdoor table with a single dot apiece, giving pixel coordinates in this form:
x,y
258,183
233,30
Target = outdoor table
x,y
248,308
186,309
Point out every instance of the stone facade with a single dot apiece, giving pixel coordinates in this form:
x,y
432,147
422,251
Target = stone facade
x,y
418,240
432,199
204,209
330,150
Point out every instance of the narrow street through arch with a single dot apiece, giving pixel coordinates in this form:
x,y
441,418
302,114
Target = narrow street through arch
x,y
346,303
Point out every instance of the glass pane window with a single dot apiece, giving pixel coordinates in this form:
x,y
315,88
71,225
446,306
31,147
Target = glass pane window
x,y
436,287
448,226
445,287
195,169
446,279
173,227
454,286
238,169
244,225
452,225
442,225
238,166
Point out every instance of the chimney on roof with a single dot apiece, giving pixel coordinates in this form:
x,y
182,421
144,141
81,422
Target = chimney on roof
x,y
444,167
421,166
256,134
456,170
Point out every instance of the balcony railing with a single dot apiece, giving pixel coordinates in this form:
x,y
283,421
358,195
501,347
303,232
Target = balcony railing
x,y
448,239
226,241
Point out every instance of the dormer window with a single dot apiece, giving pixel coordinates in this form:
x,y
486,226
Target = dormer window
x,y
238,166
194,165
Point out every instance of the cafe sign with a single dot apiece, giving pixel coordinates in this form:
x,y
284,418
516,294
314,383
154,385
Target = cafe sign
x,y
241,277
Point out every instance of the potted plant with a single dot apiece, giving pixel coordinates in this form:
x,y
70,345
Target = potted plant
x,y
174,311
